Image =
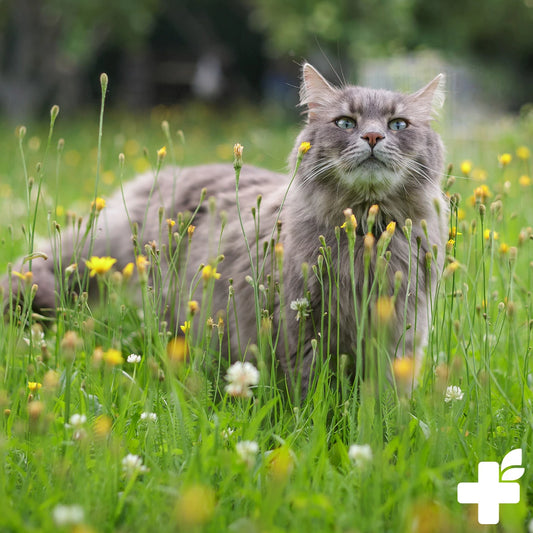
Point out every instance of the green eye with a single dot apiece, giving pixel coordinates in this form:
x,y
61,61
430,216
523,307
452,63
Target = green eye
x,y
398,124
345,123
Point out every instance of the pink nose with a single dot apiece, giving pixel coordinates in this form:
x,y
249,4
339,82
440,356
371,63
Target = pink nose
x,y
372,138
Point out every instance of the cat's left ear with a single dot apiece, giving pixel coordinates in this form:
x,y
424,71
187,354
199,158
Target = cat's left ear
x,y
432,96
315,90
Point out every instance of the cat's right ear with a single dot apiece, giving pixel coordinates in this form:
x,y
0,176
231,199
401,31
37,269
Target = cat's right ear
x,y
315,90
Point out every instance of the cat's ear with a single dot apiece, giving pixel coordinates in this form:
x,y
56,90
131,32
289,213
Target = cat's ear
x,y
432,96
315,90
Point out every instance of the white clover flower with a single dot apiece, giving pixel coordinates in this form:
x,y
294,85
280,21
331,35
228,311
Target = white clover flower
x,y
227,433
241,376
68,515
133,464
152,417
301,306
360,453
133,358
247,451
453,393
77,420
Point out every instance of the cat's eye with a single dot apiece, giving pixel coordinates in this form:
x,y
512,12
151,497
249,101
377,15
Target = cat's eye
x,y
398,124
345,123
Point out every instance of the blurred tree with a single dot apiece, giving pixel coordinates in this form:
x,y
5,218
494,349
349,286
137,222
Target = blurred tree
x,y
497,33
46,46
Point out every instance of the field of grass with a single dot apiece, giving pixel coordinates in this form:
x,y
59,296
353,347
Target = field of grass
x,y
109,423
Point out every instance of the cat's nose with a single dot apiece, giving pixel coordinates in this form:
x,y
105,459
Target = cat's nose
x,y
372,138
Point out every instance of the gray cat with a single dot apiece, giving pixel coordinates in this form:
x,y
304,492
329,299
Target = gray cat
x,y
366,147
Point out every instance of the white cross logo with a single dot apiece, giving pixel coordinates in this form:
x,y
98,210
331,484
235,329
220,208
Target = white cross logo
x,y
492,489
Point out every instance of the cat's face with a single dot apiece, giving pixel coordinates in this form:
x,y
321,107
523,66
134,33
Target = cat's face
x,y
370,141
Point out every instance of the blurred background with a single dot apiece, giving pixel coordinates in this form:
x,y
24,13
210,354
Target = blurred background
x,y
162,52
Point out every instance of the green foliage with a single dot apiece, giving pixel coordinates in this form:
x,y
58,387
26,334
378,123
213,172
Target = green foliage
x,y
195,468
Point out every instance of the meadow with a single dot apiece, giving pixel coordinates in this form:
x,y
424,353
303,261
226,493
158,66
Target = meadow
x,y
110,422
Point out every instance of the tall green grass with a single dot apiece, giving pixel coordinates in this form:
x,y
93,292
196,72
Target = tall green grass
x,y
160,445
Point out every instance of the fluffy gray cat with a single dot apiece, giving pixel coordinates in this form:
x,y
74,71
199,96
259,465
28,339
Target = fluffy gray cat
x,y
367,147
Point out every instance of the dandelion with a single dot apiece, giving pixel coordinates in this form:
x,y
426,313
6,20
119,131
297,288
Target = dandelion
x,y
102,426
240,377
466,167
170,223
523,152
190,231
304,148
150,417
302,308
403,369
280,463
133,359
133,464
100,265
34,386
247,451
68,515
453,393
186,327
360,454
98,204
391,228
505,159
350,222
524,181
209,272
112,357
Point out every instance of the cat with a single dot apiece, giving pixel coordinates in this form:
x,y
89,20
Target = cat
x,y
366,147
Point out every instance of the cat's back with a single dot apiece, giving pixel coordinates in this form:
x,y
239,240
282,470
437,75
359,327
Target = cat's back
x,y
179,189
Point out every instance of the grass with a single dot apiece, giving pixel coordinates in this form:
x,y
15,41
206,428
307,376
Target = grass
x,y
91,442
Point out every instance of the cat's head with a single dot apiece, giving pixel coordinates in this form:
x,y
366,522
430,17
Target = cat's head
x,y
370,143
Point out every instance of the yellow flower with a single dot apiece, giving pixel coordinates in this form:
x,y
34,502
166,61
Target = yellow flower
x,y
479,174
391,227
487,234
505,159
466,167
102,426
304,148
98,204
504,248
385,309
193,307
27,277
195,507
461,213
127,271
237,155
60,211
190,231
186,327
113,357
100,265
177,349
209,272
450,269
279,250
524,180
142,264
161,153
403,369
523,152
34,386
481,193
170,223
350,221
